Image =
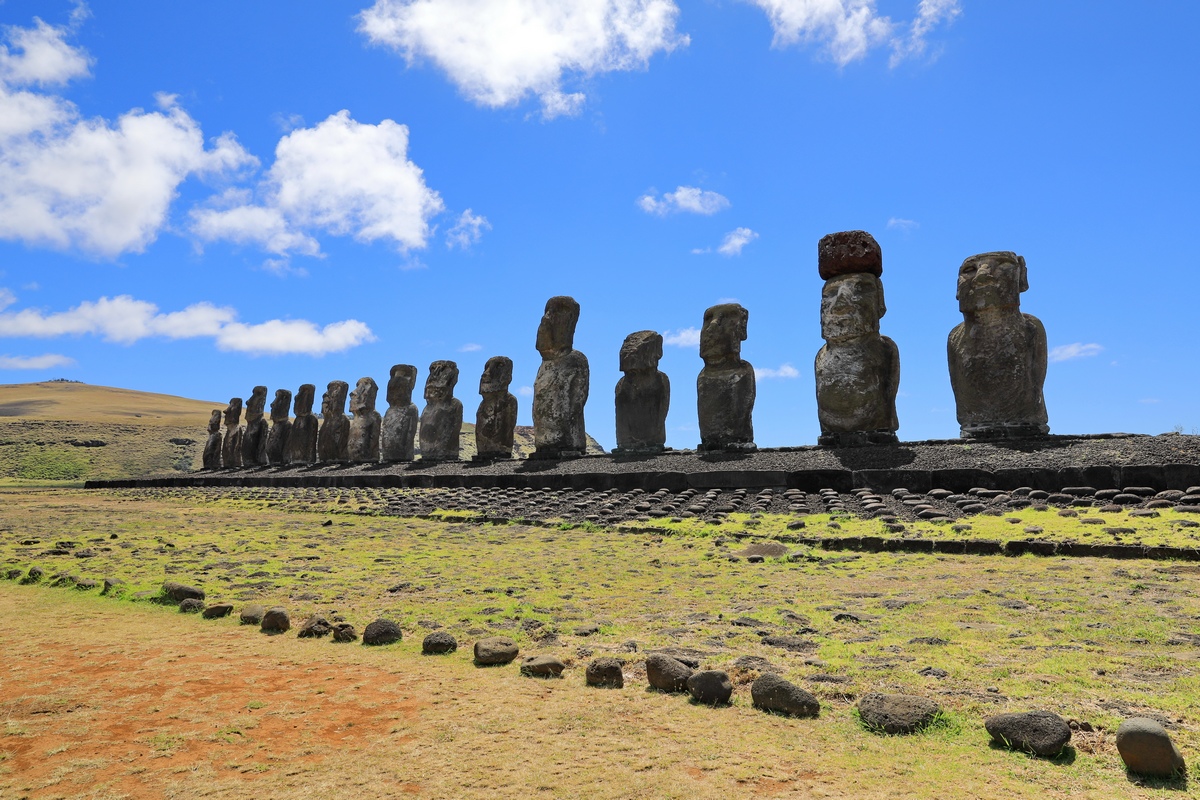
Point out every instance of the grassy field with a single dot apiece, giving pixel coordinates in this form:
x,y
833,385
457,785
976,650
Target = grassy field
x,y
1092,640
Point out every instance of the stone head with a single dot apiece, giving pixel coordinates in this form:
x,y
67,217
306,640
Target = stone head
x,y
991,280
257,401
233,412
439,386
556,333
848,252
333,402
363,397
723,333
214,421
304,399
402,381
280,405
497,375
641,351
851,306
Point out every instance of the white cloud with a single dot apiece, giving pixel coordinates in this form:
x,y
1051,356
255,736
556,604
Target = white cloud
x,y
901,224
126,320
684,198
848,29
1066,352
784,371
47,361
340,177
499,52
470,347
701,251
684,337
735,240
98,186
468,230
525,391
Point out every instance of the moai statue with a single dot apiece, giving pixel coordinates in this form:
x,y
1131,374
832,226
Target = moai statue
x,y
364,428
333,440
212,447
997,354
496,419
254,438
302,440
858,370
400,421
441,419
561,388
643,396
231,448
725,388
281,428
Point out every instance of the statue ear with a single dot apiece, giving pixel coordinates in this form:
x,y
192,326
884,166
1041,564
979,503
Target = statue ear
x,y
881,306
1024,274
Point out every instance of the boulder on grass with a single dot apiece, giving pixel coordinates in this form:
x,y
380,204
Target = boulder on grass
x,y
667,674
276,621
178,592
1147,749
218,610
253,615
439,643
711,687
191,605
495,650
315,627
344,632
897,713
542,666
772,693
1042,733
382,631
606,672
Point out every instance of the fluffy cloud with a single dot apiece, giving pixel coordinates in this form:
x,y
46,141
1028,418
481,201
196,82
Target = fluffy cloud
x,y
784,371
48,361
684,198
125,320
470,347
901,224
98,186
735,240
848,29
684,337
341,177
468,230
1067,352
498,52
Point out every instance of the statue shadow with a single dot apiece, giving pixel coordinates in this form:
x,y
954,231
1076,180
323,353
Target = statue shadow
x,y
1175,783
874,456
1065,758
724,456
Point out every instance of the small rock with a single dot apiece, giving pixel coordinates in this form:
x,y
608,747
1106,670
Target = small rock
x,y
897,713
931,640
605,672
1147,749
253,615
542,666
315,627
344,632
1043,733
587,630
495,650
218,610
772,693
191,605
439,643
933,672
667,674
275,621
382,631
179,592
711,687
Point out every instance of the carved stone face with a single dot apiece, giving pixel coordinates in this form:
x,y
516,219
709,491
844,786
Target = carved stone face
x,y
497,375
280,405
257,401
723,333
556,333
333,402
214,421
851,306
991,280
641,351
363,397
439,386
233,412
304,399
401,384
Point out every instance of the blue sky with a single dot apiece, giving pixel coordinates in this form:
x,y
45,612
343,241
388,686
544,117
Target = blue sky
x,y
197,198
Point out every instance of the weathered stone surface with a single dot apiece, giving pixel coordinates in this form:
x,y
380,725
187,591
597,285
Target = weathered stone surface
x,y
35,575
191,605
366,425
218,611
997,355
400,421
772,693
212,446
382,631
711,687
179,592
441,419
302,439
1043,733
281,427
858,370
333,440
314,627
231,447
276,620
606,672
252,614
495,650
254,437
667,674
725,388
560,390
1147,749
496,419
344,632
849,252
897,713
643,395
438,643
542,666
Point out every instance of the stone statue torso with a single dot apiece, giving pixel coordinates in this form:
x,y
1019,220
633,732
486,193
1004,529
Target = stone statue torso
x,y
997,372
399,431
495,422
725,399
856,385
301,445
441,427
333,439
559,394
642,400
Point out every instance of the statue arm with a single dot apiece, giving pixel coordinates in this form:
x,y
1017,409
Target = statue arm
x,y
892,388
952,358
1038,351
